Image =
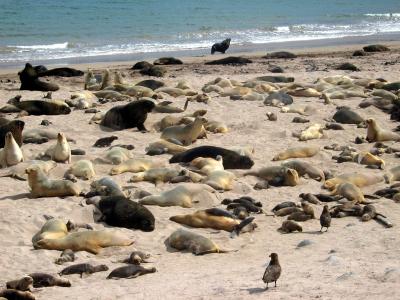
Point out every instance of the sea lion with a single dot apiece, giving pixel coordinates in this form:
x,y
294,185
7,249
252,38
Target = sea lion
x,y
305,168
43,135
184,135
11,154
163,146
105,142
279,174
141,65
273,271
41,107
197,244
172,120
314,131
151,83
136,258
182,195
369,213
376,48
210,218
283,205
216,127
52,229
106,187
299,216
310,198
345,115
167,61
66,256
122,212
82,169
82,269
131,115
297,152
11,294
157,175
221,47
47,280
30,81
231,60
285,211
289,226
308,209
61,152
325,218
280,55
116,155
206,165
91,241
156,71
392,175
42,186
134,165
23,284
231,159
15,127
62,72
376,134
359,179
130,271
220,180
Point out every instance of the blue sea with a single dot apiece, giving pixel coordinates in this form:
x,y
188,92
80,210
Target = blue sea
x,y
43,30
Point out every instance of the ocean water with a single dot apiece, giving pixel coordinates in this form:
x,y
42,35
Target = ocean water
x,y
54,29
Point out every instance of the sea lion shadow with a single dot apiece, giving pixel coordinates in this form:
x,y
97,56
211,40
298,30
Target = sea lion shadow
x,y
17,197
255,290
107,129
11,89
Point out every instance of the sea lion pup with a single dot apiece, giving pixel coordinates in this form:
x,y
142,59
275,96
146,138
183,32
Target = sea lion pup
x,y
42,186
376,134
47,280
15,127
134,165
131,115
82,269
41,135
105,141
366,158
305,168
289,226
105,187
216,127
392,175
163,146
61,152
52,229
359,179
116,155
197,244
297,152
314,131
66,256
277,174
136,258
325,218
11,154
131,271
121,212
17,295
157,175
182,195
308,209
82,169
221,47
231,159
220,180
285,211
283,205
91,241
30,81
23,284
184,135
273,271
206,165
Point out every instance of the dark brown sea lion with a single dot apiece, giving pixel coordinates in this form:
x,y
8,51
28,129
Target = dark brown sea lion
x,y
130,271
280,54
231,159
131,115
137,257
151,84
62,72
41,107
221,47
30,81
23,284
231,60
376,48
141,65
46,280
168,61
157,71
345,115
83,269
105,141
15,127
11,294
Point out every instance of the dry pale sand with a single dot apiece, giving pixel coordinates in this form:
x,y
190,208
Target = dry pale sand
x,y
352,260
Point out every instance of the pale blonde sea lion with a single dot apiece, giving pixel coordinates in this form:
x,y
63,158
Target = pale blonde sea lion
x,y
182,195
106,187
236,91
297,152
61,152
18,171
384,94
173,92
172,120
11,154
220,180
212,88
52,229
134,165
216,127
42,186
206,165
314,131
376,134
349,191
117,155
163,146
305,168
358,179
197,244
184,135
82,169
304,92
156,175
307,110
91,241
202,98
366,158
392,175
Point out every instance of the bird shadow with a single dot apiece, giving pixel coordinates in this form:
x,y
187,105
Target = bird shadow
x,y
314,232
256,290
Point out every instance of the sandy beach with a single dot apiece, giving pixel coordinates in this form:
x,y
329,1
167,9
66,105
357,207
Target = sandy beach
x,y
353,260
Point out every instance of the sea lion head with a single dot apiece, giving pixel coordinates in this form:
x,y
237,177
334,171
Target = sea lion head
x,y
370,121
61,137
148,105
147,225
291,177
245,162
8,137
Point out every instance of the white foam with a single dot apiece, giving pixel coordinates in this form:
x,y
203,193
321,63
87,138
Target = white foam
x,y
51,46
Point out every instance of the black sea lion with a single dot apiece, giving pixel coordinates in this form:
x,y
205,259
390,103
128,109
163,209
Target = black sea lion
x,y
345,115
11,294
121,212
82,269
62,72
131,115
168,61
29,81
221,47
231,60
280,54
130,271
231,159
46,280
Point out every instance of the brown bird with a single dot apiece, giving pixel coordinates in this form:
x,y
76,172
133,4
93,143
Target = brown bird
x,y
325,218
273,271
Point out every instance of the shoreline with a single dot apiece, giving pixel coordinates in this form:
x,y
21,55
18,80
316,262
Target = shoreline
x,y
250,50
